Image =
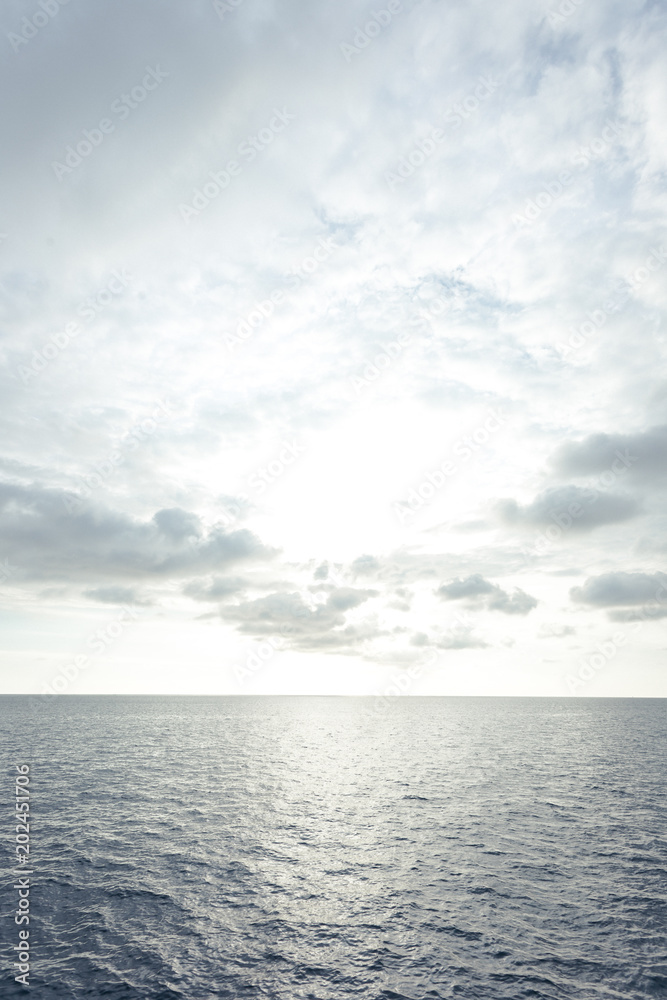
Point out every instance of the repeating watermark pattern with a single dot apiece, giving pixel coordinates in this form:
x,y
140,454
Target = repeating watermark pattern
x,y
224,7
89,309
454,117
6,571
594,321
99,641
234,509
565,517
30,26
365,34
556,188
94,304
231,511
399,685
294,278
23,872
606,650
558,15
435,307
653,262
596,318
248,151
464,449
264,651
104,470
388,354
256,660
122,107
304,270
462,111
262,478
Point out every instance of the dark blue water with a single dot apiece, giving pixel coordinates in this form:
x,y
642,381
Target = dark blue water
x,y
312,848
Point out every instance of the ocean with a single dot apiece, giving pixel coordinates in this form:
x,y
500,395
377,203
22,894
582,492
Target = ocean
x,y
326,848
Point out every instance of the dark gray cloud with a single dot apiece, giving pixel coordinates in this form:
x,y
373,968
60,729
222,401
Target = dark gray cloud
x,y
472,586
482,593
117,595
620,588
517,603
650,611
46,542
461,638
177,524
572,508
216,589
645,454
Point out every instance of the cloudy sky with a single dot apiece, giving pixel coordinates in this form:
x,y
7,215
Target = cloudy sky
x,y
333,357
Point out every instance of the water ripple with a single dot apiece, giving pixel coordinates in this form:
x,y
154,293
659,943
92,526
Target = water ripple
x,y
491,849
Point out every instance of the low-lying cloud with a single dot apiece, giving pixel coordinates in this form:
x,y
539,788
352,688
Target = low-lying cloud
x,y
645,453
615,589
581,509
44,541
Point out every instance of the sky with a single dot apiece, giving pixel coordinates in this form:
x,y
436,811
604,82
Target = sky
x,y
332,347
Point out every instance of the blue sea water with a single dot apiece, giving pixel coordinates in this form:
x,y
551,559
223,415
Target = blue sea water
x,y
330,848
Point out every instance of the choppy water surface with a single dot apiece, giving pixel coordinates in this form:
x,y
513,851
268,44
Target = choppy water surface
x,y
303,847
